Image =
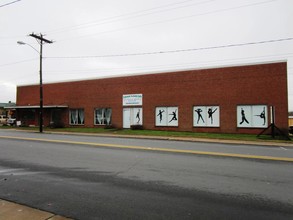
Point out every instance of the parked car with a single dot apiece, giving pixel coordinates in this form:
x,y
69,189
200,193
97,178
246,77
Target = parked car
x,y
3,119
11,121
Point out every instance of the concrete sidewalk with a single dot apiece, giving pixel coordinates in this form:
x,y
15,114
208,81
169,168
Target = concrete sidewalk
x,y
13,211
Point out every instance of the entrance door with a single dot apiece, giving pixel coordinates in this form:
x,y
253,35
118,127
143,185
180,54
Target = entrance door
x,y
126,118
132,116
56,118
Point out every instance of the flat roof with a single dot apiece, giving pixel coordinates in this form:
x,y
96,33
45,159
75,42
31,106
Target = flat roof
x,y
163,71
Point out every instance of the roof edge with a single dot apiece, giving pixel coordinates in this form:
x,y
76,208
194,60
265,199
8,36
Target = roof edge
x,y
36,106
163,71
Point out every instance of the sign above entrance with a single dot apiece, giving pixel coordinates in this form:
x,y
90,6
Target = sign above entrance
x,y
132,99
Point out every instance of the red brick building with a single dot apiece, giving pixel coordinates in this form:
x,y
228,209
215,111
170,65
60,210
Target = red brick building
x,y
233,99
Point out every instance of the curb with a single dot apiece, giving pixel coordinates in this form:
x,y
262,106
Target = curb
x,y
187,139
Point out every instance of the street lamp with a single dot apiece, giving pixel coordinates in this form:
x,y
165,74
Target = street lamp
x,y
40,40
23,43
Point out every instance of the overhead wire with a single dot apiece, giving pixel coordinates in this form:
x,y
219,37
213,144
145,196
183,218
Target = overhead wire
x,y
139,14
17,62
185,65
118,18
174,51
9,3
156,52
170,20
168,67
130,15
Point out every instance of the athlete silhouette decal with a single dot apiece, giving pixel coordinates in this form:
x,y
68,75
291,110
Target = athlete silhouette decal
x,y
199,116
138,116
243,117
252,116
263,115
206,116
161,114
174,118
210,113
166,116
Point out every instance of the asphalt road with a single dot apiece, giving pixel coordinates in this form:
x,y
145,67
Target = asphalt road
x,y
118,178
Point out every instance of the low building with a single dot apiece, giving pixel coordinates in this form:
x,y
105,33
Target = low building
x,y
235,99
4,109
290,120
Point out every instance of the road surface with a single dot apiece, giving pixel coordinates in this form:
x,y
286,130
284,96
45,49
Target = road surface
x,y
90,177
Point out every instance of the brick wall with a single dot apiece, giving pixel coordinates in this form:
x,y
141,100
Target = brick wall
x,y
227,87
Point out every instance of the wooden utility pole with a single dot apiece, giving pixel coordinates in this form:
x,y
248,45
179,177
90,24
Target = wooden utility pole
x,y
41,40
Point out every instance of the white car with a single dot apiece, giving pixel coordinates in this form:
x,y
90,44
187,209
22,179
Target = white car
x,y
3,119
11,121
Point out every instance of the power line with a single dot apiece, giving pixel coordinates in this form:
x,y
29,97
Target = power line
x,y
158,52
17,62
174,51
174,19
130,15
173,66
9,3
164,67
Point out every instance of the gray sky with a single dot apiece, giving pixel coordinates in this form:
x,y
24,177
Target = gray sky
x,y
98,38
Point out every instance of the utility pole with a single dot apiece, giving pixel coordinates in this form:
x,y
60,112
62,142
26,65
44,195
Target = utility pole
x,y
41,40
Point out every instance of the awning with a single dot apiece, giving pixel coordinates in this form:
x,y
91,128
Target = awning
x,y
36,106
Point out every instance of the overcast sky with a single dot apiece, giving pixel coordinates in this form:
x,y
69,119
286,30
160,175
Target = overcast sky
x,y
99,38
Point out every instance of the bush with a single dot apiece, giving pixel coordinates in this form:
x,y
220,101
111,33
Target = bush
x,y
109,127
56,125
136,127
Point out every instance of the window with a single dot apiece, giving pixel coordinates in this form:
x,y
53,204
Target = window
x,y
29,114
76,116
252,116
166,116
103,116
206,116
